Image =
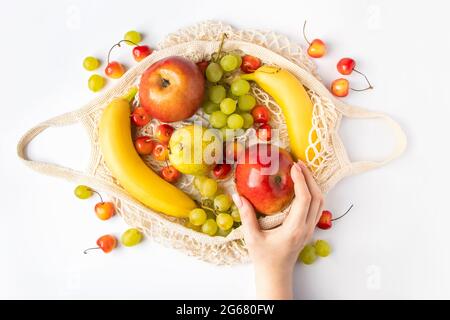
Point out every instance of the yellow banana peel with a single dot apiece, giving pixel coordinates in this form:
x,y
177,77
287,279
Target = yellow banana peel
x,y
130,170
295,103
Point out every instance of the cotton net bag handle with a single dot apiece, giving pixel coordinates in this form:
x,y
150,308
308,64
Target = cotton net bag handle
x,y
399,136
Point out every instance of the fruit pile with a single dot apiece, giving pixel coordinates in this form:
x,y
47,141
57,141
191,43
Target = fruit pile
x,y
155,122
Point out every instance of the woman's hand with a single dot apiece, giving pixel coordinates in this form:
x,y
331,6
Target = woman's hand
x,y
275,252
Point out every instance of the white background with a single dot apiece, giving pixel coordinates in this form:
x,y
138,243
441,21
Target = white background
x,y
394,244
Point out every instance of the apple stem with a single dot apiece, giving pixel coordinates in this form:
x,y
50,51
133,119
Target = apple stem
x,y
118,45
367,80
219,52
304,33
348,210
86,251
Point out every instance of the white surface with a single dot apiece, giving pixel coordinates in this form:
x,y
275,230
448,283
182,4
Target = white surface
x,y
393,245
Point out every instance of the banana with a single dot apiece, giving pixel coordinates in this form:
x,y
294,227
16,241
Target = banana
x,y
129,169
291,96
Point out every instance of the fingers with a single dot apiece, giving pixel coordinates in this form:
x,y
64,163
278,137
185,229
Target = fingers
x,y
300,204
250,224
317,202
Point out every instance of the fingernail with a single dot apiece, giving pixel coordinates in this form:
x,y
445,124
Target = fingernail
x,y
237,200
298,166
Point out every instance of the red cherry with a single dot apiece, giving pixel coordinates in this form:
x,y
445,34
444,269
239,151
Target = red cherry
x,y
203,65
325,221
346,66
170,174
160,152
221,170
140,117
340,87
264,132
104,210
164,132
114,70
140,52
261,114
107,243
144,145
250,64
317,48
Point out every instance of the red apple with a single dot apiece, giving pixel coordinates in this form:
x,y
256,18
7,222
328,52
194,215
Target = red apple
x,y
263,176
172,89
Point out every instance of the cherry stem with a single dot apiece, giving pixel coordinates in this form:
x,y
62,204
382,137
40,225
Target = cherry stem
x,y
304,34
222,41
101,199
118,45
348,210
367,80
86,251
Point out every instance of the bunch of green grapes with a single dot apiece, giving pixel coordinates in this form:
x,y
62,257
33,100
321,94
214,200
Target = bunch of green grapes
x,y
218,215
228,106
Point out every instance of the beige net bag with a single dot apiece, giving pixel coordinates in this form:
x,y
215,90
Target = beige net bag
x,y
197,43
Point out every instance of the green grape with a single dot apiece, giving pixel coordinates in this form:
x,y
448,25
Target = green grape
x,y
235,121
246,102
223,233
228,106
208,188
218,119
224,221
191,226
248,120
229,62
83,192
231,95
235,213
96,82
198,181
308,254
91,63
214,72
209,107
222,202
209,227
239,87
322,248
239,59
197,217
132,36
131,237
217,93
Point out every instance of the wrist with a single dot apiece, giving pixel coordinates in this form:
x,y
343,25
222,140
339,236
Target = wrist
x,y
274,282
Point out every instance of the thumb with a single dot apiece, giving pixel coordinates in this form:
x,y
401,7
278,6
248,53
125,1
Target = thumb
x,y
248,217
